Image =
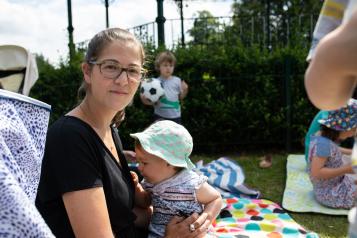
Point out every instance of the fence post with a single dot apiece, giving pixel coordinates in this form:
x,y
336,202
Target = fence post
x,y
288,101
70,31
160,19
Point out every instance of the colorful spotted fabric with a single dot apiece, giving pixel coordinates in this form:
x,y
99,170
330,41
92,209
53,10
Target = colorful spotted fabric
x,y
247,218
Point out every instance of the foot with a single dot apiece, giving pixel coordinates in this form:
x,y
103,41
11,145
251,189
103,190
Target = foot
x,y
266,162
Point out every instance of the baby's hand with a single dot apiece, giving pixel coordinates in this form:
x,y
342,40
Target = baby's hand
x,y
135,178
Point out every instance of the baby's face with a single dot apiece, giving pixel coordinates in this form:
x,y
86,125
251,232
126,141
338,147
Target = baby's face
x,y
153,168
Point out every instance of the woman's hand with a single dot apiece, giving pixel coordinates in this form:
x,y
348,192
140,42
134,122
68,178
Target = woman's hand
x,y
193,226
130,155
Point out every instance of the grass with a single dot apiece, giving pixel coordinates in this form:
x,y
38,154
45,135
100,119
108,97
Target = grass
x,y
271,183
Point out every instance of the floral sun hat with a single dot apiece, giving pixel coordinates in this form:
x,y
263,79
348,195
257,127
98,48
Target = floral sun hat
x,y
169,141
342,119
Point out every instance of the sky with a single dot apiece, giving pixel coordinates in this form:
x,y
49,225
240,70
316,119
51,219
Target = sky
x,y
41,25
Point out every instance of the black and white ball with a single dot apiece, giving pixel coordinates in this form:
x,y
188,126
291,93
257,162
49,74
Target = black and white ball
x,y
152,90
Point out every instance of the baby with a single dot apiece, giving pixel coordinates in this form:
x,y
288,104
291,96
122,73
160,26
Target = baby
x,y
162,151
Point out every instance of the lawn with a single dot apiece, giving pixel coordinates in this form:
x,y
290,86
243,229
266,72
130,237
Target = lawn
x,y
271,183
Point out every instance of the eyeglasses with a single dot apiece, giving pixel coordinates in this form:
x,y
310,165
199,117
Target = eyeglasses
x,y
111,69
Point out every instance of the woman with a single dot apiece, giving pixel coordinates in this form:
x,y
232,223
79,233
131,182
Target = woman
x,y
86,189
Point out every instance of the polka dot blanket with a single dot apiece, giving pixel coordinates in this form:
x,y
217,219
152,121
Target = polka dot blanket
x,y
248,218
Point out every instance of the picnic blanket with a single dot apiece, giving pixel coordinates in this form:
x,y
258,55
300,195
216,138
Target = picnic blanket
x,y
245,218
227,177
298,195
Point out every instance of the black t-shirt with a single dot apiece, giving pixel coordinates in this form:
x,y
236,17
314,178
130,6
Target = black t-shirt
x,y
75,159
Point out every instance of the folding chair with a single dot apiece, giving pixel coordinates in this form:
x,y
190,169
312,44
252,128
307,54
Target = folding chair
x,y
18,69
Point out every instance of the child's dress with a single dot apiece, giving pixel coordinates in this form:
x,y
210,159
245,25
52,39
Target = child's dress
x,y
337,192
175,196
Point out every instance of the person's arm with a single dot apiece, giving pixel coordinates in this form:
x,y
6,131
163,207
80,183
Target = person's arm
x,y
318,170
179,227
184,90
143,209
143,216
142,197
87,213
211,199
345,151
332,74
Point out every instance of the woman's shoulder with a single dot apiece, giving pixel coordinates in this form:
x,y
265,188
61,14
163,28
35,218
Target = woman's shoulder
x,y
69,127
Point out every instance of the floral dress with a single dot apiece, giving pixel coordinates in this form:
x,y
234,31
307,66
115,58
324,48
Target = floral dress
x,y
337,192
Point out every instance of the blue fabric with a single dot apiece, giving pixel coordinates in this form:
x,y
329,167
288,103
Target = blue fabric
x,y
314,127
323,148
227,177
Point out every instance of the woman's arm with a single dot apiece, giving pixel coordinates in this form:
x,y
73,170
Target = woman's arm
x,y
332,74
318,170
179,227
211,199
87,212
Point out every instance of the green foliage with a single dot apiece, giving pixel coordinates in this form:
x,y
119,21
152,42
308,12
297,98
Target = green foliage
x,y
57,86
239,94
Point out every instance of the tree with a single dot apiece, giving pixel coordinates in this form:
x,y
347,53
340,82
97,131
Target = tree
x,y
205,28
274,21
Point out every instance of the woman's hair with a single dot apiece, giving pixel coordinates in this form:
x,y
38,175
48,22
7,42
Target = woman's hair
x,y
95,48
329,133
165,56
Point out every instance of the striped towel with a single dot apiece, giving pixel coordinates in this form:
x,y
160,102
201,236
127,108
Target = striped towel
x,y
227,177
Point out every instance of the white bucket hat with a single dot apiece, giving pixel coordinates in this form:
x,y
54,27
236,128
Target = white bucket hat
x,y
169,141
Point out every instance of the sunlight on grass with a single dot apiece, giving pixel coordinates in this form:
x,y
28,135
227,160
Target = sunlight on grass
x,y
271,183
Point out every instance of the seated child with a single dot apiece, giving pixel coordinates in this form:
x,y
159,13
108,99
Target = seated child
x,y
162,151
331,186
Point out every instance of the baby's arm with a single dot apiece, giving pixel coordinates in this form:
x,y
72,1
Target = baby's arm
x,y
142,197
211,199
318,170
346,151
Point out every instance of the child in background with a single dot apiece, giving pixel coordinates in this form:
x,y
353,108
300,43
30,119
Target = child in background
x,y
168,107
162,151
331,186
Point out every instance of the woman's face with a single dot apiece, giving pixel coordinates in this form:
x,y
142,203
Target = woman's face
x,y
113,93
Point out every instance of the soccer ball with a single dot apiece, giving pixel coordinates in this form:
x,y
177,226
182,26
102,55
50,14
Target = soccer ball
x,y
152,90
